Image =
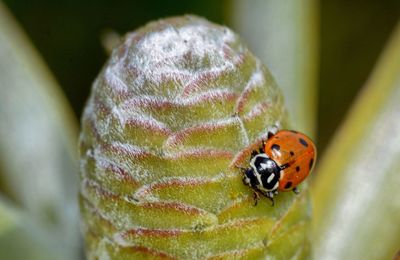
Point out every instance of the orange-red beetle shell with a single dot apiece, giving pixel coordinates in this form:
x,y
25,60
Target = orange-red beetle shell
x,y
295,153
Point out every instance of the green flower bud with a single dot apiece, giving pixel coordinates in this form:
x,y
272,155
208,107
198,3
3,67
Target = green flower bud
x,y
176,110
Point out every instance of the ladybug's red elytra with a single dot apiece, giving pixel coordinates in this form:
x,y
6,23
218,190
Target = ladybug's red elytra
x,y
284,160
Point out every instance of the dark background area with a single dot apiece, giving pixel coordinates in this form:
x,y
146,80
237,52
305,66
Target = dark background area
x,y
67,34
353,34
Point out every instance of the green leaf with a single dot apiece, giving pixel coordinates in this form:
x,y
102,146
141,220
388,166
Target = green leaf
x,y
356,198
37,140
178,108
22,238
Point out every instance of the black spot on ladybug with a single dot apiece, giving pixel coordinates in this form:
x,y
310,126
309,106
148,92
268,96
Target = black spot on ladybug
x,y
291,153
311,163
303,142
275,147
288,185
297,168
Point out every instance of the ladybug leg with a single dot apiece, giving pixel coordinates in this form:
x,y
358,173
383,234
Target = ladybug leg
x,y
254,153
274,129
273,202
296,190
256,197
270,196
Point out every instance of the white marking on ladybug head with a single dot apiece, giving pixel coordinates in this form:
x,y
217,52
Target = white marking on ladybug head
x,y
271,177
264,165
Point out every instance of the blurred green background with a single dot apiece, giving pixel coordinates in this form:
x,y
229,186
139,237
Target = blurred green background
x,y
67,34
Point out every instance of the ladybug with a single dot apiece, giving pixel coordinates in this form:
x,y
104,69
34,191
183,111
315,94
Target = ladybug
x,y
284,160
